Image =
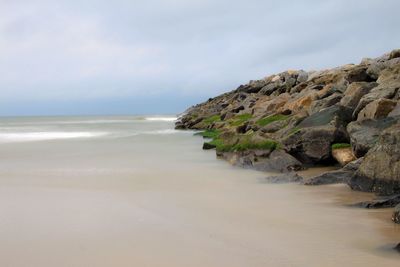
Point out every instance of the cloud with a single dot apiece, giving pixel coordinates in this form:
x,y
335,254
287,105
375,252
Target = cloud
x,y
98,50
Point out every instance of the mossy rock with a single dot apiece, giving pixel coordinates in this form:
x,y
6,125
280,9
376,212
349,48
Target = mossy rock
x,y
267,120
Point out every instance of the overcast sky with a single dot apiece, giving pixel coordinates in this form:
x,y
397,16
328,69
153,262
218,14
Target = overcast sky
x,y
161,56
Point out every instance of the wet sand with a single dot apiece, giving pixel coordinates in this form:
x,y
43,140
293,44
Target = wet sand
x,y
161,201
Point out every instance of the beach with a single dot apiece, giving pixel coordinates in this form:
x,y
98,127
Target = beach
x,y
132,191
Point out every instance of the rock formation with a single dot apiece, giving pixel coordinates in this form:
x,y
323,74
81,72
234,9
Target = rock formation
x,y
295,119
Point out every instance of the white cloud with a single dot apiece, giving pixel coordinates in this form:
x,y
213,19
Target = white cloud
x,y
102,49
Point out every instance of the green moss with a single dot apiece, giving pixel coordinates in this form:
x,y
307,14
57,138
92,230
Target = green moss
x,y
294,130
340,145
240,119
210,133
218,143
267,120
267,144
212,119
243,145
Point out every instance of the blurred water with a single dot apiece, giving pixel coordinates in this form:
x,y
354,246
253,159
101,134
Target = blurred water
x,y
132,191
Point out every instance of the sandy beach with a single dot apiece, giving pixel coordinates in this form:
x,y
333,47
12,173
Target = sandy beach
x,y
132,198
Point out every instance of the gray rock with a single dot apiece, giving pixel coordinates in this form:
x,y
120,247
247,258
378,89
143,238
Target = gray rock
x,y
278,160
354,165
274,126
290,177
355,92
377,109
380,170
396,111
312,142
326,102
388,202
332,177
364,134
394,54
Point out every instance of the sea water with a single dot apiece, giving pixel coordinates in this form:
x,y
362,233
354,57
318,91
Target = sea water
x,y
132,191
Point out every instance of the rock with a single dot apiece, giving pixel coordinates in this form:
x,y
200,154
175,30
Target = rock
x,y
335,115
389,202
397,247
290,177
302,77
312,142
377,109
278,160
263,160
388,86
332,177
208,146
343,155
274,126
364,134
380,170
354,165
359,74
396,111
396,216
394,54
325,102
355,92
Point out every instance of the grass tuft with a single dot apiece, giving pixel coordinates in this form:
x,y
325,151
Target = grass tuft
x,y
267,120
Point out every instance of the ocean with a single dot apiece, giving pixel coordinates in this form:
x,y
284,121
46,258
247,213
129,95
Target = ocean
x,y
132,191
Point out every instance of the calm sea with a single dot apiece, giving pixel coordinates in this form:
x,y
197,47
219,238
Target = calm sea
x,y
132,191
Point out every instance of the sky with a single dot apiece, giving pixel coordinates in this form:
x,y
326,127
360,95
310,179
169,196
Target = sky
x,y
86,57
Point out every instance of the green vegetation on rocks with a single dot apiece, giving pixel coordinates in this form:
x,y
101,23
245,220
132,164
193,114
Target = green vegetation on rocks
x,y
212,119
267,120
340,145
209,133
240,119
243,145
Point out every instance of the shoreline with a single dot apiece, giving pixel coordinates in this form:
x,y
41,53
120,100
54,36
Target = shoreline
x,y
346,118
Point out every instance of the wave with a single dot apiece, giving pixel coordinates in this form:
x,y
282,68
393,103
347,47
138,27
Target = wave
x,y
160,118
161,132
43,136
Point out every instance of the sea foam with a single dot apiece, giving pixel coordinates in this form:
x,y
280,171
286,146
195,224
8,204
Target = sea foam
x,y
160,118
42,136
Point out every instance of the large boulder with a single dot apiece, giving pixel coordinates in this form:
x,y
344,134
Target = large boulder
x,y
377,109
396,111
355,92
311,141
343,155
331,177
380,170
364,134
278,160
263,160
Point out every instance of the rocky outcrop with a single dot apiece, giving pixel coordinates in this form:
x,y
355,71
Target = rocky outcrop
x,y
332,177
364,134
296,118
263,160
380,170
